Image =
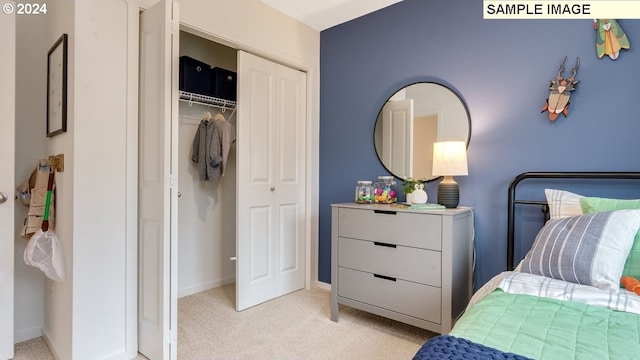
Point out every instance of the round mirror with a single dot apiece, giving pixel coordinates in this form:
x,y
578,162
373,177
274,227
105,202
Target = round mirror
x,y
411,120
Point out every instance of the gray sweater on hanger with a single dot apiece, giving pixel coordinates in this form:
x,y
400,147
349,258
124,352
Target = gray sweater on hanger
x,y
206,150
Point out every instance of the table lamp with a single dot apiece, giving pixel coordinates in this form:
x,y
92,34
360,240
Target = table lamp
x,y
449,160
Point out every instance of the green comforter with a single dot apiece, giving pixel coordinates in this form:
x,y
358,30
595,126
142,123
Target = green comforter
x,y
543,328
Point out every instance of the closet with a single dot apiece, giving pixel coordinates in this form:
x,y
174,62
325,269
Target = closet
x,y
271,177
206,209
250,226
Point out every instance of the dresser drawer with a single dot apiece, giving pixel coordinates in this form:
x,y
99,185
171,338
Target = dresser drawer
x,y
400,228
406,263
417,300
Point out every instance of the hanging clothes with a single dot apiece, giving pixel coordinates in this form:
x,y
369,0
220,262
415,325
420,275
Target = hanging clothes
x,y
36,186
206,150
227,137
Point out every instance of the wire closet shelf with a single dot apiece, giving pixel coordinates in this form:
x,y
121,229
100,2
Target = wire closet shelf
x,y
193,98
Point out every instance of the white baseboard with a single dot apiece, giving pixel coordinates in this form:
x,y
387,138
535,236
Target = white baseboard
x,y
28,334
204,287
324,285
45,336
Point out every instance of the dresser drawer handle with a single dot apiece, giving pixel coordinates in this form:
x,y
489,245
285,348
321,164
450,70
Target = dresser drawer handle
x,y
387,212
385,277
377,243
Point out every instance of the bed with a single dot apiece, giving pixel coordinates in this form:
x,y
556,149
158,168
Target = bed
x,y
564,300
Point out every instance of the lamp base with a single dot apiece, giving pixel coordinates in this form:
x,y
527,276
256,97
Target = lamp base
x,y
448,193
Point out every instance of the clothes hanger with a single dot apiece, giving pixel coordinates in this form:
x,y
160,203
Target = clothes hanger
x,y
206,116
219,117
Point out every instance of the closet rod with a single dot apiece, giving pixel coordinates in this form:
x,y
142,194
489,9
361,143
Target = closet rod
x,y
194,117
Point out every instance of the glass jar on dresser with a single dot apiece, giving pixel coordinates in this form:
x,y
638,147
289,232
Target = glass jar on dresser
x,y
413,266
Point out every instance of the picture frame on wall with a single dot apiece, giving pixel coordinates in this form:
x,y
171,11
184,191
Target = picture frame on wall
x,y
57,87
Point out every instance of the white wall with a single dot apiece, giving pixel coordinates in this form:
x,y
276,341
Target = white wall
x,y
88,316
31,72
58,296
100,217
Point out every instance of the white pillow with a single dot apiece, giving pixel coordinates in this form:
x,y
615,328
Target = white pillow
x,y
562,203
585,249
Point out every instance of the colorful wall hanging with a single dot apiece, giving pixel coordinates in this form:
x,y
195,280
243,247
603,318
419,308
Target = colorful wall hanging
x,y
561,88
610,38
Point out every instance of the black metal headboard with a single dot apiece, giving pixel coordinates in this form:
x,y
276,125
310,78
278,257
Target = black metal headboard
x,y
548,175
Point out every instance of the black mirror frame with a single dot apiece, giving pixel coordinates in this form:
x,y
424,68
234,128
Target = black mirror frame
x,y
464,105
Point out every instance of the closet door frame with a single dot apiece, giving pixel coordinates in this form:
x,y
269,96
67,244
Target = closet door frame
x,y
312,139
261,48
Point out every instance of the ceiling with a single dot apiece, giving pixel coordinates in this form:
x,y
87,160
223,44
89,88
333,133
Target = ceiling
x,y
323,14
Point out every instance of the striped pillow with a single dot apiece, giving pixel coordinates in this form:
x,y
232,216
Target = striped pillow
x,y
562,203
585,249
592,205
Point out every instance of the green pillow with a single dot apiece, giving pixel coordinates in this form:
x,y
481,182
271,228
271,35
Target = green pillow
x,y
592,205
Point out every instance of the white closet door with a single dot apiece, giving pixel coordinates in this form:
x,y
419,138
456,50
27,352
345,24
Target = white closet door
x,y
290,200
271,180
397,142
157,311
7,164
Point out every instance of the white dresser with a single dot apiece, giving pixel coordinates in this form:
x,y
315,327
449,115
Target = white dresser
x,y
413,266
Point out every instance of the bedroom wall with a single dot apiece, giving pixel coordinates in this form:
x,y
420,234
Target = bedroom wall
x,y
104,268
88,315
502,69
58,300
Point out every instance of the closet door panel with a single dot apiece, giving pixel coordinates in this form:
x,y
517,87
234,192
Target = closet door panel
x,y
261,245
255,213
288,257
261,262
157,218
271,174
291,195
289,129
261,126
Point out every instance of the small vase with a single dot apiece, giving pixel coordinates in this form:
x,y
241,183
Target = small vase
x,y
409,197
418,195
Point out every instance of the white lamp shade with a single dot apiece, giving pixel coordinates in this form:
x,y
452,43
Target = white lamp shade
x,y
450,158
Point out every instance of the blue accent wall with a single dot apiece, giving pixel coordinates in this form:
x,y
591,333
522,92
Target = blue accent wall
x,y
502,70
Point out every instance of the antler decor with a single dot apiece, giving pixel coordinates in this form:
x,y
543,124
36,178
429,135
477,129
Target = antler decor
x,y
558,100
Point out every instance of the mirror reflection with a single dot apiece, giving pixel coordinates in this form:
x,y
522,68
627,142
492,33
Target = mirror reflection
x,y
411,120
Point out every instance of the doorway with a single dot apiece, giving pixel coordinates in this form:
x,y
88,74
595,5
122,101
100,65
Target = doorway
x,y
160,191
206,209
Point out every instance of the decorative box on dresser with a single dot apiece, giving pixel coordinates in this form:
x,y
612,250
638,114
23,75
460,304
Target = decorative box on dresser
x,y
413,266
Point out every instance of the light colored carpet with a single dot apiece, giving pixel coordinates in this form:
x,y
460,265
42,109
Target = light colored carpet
x,y
34,349
37,349
296,326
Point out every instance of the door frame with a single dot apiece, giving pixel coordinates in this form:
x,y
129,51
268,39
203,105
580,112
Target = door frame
x,y
7,269
312,125
312,143
312,134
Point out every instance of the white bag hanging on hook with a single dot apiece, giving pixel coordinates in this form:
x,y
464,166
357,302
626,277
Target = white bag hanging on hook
x,y
43,251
